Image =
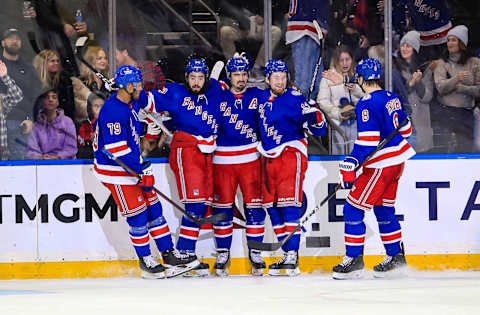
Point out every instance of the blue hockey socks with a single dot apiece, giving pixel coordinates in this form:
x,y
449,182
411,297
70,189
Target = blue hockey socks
x,y
354,230
390,230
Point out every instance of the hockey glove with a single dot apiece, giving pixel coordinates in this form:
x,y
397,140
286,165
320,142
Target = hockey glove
x,y
347,172
147,180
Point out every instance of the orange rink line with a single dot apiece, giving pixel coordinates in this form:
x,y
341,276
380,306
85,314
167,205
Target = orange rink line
x,y
129,268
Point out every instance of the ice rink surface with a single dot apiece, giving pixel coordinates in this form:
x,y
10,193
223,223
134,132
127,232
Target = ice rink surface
x,y
446,292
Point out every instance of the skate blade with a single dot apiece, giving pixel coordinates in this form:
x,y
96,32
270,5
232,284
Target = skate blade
x,y
175,271
258,272
197,273
357,274
284,272
149,275
221,272
392,274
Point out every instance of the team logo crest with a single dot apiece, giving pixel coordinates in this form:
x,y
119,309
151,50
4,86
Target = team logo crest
x,y
296,93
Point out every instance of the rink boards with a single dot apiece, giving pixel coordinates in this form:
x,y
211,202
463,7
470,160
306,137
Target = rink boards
x,y
56,220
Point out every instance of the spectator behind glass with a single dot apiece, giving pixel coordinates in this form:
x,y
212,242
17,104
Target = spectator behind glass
x,y
153,78
19,120
7,101
338,97
97,57
457,78
419,87
53,136
431,18
303,38
72,92
243,21
57,27
398,85
86,131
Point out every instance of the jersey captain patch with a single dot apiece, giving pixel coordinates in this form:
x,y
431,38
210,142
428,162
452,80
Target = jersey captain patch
x,y
365,115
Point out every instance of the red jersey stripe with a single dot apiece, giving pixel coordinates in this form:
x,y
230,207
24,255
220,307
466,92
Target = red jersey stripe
x,y
234,153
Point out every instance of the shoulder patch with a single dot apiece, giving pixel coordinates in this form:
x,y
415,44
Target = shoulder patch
x,y
296,93
366,97
164,90
365,115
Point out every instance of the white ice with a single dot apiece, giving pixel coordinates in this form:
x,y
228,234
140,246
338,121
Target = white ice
x,y
447,292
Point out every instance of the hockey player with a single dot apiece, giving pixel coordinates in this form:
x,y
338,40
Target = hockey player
x,y
236,162
283,114
118,130
193,109
379,113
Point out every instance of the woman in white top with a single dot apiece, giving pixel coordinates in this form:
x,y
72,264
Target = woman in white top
x,y
338,96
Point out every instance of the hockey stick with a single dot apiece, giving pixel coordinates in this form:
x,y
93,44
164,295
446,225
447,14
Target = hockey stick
x,y
211,219
319,60
217,69
270,247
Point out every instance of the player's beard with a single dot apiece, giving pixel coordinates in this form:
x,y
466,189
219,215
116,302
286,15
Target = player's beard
x,y
278,92
201,91
239,87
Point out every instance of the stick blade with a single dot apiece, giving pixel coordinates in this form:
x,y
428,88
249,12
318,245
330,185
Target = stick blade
x,y
267,247
81,41
318,29
213,218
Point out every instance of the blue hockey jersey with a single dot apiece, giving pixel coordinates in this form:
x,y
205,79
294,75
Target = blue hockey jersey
x,y
378,114
193,114
238,127
301,16
431,18
118,130
282,120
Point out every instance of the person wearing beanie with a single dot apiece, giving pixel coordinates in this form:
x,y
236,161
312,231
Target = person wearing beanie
x,y
412,38
419,85
460,32
457,79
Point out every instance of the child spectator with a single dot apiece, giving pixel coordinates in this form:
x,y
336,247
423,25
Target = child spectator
x,y
53,136
85,133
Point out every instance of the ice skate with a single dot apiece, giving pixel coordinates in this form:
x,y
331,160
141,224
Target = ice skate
x,y
199,271
287,266
391,266
178,263
221,265
151,268
349,268
258,265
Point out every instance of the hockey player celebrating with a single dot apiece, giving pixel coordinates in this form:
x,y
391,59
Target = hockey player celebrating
x,y
379,113
283,114
236,162
193,109
118,130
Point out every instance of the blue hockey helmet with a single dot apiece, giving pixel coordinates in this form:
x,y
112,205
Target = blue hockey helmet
x,y
369,69
127,74
196,65
235,64
275,65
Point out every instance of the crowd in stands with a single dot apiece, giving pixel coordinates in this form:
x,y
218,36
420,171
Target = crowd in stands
x,y
49,99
